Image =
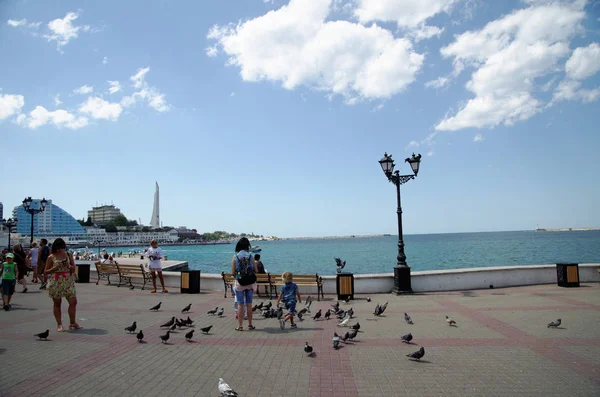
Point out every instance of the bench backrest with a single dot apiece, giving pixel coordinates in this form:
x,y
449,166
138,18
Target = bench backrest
x,y
131,268
298,278
228,277
106,267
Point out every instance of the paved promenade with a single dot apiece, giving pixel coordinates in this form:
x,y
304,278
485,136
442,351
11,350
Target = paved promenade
x,y
501,347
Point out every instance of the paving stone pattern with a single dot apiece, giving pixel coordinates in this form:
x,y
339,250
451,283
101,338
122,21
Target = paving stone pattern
x,y
500,347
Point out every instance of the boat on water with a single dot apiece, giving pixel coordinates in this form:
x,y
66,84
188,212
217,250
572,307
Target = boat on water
x,y
256,250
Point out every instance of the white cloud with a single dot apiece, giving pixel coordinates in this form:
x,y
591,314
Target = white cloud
x,y
23,23
406,13
62,30
150,94
584,63
105,60
115,87
430,153
212,51
60,118
478,138
83,90
57,100
425,32
10,105
296,45
440,82
98,108
570,90
509,54
378,107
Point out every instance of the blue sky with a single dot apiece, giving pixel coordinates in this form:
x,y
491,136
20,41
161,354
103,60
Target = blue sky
x,y
270,117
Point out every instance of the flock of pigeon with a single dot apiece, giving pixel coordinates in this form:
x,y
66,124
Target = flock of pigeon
x,y
268,311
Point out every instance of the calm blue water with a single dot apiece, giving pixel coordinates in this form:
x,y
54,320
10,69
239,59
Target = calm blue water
x,y
423,252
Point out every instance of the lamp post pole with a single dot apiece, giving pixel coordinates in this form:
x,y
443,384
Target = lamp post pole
x,y
402,282
10,223
27,206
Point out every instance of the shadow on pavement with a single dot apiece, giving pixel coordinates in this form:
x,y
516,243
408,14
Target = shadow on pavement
x,y
91,331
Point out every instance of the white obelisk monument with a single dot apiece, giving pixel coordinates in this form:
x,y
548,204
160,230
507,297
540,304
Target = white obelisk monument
x,y
155,220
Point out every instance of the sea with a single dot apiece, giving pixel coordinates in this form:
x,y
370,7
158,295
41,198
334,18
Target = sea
x,y
378,254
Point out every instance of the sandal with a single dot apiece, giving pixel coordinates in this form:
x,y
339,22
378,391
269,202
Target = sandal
x,y
60,328
153,291
75,326
165,290
239,328
251,327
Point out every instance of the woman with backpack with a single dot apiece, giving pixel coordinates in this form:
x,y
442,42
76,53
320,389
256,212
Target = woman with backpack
x,y
243,267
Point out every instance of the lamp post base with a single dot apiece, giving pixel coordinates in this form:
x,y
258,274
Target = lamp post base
x,y
401,280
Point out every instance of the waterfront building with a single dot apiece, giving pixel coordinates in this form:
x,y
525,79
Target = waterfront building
x,y
187,234
53,220
155,220
104,214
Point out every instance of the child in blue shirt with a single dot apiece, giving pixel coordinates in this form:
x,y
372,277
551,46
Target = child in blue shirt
x,y
289,293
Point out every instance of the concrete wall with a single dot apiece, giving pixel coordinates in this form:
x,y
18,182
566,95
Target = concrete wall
x,y
425,281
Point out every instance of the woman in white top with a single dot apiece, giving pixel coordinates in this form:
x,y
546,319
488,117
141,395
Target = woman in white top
x,y
154,256
32,258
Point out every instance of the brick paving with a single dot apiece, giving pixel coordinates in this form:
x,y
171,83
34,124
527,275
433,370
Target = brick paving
x,y
501,346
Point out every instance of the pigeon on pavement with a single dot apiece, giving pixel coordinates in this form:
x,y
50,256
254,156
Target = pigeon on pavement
x,y
408,319
352,334
268,305
181,323
43,335
300,317
169,323
189,335
450,321
165,337
406,338
356,326
327,314
336,341
172,328
318,315
140,336
350,312
213,311
377,310
221,311
382,308
189,321
131,328
368,299
345,322
225,389
155,308
308,349
187,308
345,337
417,355
206,329
555,324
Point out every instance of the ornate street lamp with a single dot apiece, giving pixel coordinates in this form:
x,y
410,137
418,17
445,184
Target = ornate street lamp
x,y
9,224
401,270
27,206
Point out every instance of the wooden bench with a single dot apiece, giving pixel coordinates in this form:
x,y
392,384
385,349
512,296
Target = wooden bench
x,y
105,270
261,279
306,280
127,272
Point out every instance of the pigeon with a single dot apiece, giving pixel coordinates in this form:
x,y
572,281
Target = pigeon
x,y
450,321
554,324
350,312
340,265
336,341
206,329
336,307
189,335
368,299
408,319
417,355
308,349
254,308
300,317
131,288
356,326
352,334
406,338
268,305
165,337
308,303
140,336
189,321
345,322
225,389
43,335
345,337
131,328
169,323
303,311
382,308
377,310
327,314
347,300
213,311
318,315
172,328
181,323
221,311
279,313
341,315
157,307
187,308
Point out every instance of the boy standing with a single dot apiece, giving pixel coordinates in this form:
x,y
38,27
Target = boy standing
x,y
9,273
289,293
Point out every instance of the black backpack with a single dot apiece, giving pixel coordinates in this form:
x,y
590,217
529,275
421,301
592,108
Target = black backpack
x,y
245,271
